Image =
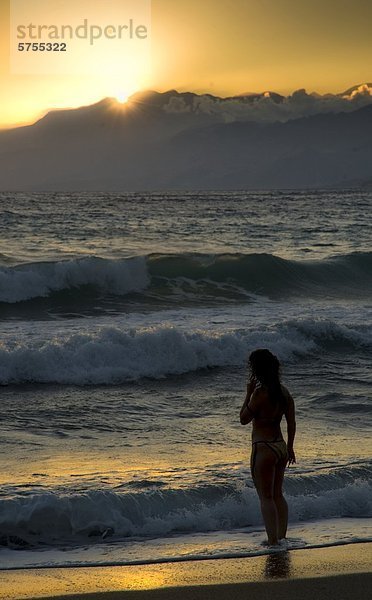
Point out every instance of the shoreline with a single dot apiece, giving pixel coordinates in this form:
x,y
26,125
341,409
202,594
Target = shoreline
x,y
309,572
180,559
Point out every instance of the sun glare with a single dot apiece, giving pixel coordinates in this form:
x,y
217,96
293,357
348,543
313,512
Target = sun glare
x,y
122,97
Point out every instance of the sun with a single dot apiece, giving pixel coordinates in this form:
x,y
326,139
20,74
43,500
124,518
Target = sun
x,y
122,97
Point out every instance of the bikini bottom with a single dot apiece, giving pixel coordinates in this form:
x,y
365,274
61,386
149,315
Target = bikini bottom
x,y
279,447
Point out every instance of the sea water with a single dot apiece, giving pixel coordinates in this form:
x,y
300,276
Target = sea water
x,y
127,320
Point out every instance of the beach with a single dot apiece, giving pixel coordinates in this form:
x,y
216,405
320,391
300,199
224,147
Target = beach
x,y
340,572
123,368
185,300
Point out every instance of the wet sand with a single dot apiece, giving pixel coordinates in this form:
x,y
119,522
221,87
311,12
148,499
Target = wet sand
x,y
337,572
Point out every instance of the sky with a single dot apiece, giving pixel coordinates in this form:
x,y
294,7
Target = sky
x,y
219,46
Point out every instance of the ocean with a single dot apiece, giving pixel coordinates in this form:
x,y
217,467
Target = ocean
x,y
127,321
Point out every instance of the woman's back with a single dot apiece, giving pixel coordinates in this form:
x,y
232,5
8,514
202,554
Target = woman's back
x,y
267,414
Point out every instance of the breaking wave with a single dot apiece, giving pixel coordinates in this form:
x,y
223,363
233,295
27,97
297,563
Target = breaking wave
x,y
37,280
235,275
112,356
49,517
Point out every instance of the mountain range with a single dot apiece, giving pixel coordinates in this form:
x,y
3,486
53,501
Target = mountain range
x,y
172,140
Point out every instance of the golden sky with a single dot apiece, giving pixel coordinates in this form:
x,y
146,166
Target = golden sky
x,y
224,47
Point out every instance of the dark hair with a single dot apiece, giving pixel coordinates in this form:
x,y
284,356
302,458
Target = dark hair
x,y
265,367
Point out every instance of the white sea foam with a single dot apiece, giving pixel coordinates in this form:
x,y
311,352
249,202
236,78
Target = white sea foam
x,y
112,355
53,518
40,279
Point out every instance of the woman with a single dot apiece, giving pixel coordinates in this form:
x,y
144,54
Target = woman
x,y
265,404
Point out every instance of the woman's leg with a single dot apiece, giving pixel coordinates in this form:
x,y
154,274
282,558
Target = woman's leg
x,y
280,501
264,475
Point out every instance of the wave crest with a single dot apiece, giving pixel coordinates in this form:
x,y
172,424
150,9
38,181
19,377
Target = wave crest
x,y
52,517
253,274
113,356
25,282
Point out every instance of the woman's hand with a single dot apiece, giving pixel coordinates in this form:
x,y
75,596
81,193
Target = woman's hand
x,y
291,456
251,386
253,380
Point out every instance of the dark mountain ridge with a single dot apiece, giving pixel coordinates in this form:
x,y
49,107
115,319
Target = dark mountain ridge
x,y
162,141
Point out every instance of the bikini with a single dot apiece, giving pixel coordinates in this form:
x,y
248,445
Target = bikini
x,y
278,446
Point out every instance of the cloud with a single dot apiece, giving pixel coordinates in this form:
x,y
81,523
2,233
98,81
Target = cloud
x,y
177,104
363,90
270,107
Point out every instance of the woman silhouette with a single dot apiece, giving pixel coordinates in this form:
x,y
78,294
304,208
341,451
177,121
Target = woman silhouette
x,y
266,402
